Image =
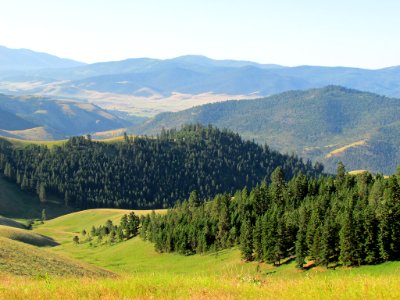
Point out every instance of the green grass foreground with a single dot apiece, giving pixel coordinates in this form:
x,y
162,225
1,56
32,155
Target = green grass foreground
x,y
139,272
167,286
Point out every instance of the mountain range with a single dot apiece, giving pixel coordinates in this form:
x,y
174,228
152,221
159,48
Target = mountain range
x,y
145,86
48,97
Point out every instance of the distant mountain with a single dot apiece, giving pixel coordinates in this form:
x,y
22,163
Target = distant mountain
x,y
184,75
179,83
24,59
56,118
329,125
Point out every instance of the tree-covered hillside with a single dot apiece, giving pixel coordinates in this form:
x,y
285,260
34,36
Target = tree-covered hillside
x,y
145,172
330,124
343,220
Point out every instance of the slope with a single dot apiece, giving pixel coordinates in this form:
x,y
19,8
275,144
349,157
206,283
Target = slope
x,y
26,236
312,123
55,118
134,256
10,121
22,259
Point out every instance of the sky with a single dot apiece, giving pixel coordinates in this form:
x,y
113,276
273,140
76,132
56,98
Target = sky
x,y
356,33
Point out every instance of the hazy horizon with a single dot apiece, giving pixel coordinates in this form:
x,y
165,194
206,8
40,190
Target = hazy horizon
x,y
329,33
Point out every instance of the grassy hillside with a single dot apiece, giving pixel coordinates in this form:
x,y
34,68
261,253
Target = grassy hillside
x,y
26,236
143,273
22,259
55,118
15,203
64,227
135,255
328,125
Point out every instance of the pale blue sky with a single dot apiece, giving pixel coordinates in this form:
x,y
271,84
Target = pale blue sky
x,y
360,33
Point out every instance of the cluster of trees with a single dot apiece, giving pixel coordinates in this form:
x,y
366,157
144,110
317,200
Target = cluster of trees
x,y
145,172
348,220
127,229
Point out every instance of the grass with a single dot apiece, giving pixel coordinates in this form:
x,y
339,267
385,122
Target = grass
x,y
26,236
18,258
114,137
23,143
17,204
167,286
65,227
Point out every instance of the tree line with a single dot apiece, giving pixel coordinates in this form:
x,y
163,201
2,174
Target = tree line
x,y
329,220
145,172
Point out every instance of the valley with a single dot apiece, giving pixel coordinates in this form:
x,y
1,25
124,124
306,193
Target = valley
x,y
199,150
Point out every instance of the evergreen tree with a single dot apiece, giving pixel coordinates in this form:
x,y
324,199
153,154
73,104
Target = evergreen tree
x,y
246,241
301,239
44,215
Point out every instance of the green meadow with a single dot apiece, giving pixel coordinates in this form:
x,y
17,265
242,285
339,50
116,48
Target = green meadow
x,y
134,270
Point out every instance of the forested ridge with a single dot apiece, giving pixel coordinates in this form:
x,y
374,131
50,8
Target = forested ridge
x,y
342,220
145,172
312,123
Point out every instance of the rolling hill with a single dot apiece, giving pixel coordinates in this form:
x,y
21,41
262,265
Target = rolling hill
x,y
26,236
329,125
39,118
23,259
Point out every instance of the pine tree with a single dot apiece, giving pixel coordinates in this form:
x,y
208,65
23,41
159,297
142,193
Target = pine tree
x,y
246,241
257,239
371,243
329,239
301,240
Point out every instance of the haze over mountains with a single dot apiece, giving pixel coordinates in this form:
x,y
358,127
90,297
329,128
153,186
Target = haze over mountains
x,y
145,86
56,98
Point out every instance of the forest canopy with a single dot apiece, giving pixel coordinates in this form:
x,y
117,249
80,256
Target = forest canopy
x,y
146,172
